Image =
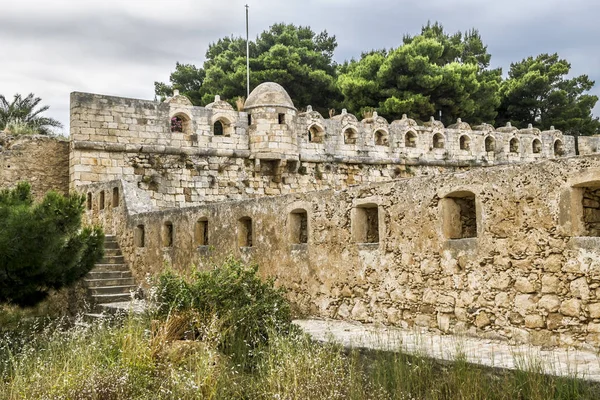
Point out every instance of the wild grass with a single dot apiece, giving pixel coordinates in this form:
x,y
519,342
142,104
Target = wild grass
x,y
141,358
186,351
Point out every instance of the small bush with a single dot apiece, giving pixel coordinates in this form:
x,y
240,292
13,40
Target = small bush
x,y
249,309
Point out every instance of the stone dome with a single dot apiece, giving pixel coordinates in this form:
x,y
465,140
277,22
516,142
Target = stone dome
x,y
269,94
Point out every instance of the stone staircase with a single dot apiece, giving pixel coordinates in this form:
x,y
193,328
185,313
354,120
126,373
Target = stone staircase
x,y
110,281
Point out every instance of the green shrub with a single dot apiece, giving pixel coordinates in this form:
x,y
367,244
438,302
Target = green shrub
x,y
248,308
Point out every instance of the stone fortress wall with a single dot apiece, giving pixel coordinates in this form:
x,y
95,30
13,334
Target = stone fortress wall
x,y
510,251
270,148
493,232
41,160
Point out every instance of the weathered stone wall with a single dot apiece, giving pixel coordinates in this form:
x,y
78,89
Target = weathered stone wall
x,y
530,273
273,151
41,160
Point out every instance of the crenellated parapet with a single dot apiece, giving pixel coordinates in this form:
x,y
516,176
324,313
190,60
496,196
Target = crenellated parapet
x,y
183,154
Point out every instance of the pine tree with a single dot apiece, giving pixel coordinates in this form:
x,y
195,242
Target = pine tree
x,y
42,245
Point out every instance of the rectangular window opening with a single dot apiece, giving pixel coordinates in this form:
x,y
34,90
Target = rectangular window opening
x,y
281,119
101,201
460,217
299,227
365,225
115,197
139,236
591,211
89,201
168,235
245,232
201,233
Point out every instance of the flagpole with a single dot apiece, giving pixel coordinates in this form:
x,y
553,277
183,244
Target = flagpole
x,y
247,56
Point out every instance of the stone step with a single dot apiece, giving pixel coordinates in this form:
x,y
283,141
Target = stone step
x,y
112,289
112,252
111,298
112,259
111,245
92,283
108,274
124,307
110,267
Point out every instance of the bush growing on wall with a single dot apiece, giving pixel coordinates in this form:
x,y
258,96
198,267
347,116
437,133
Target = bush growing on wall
x,y
42,245
249,309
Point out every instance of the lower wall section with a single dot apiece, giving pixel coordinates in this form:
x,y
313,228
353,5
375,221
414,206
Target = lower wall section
x,y
497,252
41,160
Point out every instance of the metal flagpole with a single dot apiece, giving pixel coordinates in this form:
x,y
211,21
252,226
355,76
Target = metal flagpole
x,y
247,56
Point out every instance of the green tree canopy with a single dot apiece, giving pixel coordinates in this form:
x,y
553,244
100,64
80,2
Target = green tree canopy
x,y
20,116
538,92
293,56
42,245
430,72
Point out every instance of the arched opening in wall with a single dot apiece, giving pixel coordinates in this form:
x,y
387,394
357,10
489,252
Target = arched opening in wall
x,y
167,234
536,146
201,232
410,139
316,134
101,201
89,200
490,144
513,145
218,129
139,236
298,224
365,223
465,142
181,123
381,138
115,197
350,136
245,232
459,215
438,141
559,150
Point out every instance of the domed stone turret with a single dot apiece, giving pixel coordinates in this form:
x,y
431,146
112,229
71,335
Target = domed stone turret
x,y
272,121
269,94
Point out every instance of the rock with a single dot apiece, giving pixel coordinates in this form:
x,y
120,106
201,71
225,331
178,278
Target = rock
x,y
579,288
429,296
482,320
554,321
443,321
423,320
500,282
502,300
461,314
553,263
359,311
344,311
594,310
534,321
524,303
346,291
397,295
520,335
594,328
570,308
550,303
523,285
550,284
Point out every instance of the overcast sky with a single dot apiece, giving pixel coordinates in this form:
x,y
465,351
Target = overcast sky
x,y
120,47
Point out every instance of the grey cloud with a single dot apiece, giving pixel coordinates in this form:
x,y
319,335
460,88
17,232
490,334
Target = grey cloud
x,y
121,47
